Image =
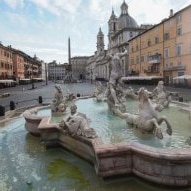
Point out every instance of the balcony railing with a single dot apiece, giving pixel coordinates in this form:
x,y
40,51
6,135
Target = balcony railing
x,y
152,70
154,59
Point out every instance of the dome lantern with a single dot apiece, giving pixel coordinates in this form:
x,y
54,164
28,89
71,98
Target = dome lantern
x,y
125,20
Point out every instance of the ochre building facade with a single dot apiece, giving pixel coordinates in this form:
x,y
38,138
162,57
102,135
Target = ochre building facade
x,y
165,49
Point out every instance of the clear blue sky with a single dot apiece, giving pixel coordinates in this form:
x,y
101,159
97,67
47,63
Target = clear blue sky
x,y
42,27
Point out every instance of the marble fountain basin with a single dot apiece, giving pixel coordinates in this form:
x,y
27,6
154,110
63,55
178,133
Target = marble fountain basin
x,y
121,150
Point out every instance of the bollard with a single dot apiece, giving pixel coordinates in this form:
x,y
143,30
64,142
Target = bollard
x,y
78,95
40,100
2,110
180,99
12,105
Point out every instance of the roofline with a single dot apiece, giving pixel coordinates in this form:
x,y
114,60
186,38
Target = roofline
x,y
127,29
80,57
162,22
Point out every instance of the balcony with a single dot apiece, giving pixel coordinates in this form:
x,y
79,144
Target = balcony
x,y
154,59
152,70
174,68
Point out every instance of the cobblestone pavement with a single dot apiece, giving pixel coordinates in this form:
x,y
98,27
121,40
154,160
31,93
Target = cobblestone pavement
x,y
23,95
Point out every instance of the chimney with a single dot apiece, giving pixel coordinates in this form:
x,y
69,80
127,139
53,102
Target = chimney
x,y
171,13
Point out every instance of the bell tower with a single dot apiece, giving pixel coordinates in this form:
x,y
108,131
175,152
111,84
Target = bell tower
x,y
100,42
113,28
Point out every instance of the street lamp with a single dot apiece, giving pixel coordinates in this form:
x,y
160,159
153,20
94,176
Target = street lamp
x,y
46,74
91,75
32,77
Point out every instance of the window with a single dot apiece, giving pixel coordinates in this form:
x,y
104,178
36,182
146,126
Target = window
x,y
132,50
137,60
114,27
179,31
179,49
154,68
142,58
148,57
137,48
179,18
156,40
166,52
166,36
149,43
131,34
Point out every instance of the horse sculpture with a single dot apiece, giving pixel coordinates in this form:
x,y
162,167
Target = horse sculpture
x,y
146,119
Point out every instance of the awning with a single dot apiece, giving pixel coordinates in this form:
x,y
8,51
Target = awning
x,y
141,78
187,77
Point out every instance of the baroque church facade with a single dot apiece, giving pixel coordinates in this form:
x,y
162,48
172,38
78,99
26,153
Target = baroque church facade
x,y
120,30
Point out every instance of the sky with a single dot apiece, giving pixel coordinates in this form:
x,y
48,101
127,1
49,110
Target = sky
x,y
42,27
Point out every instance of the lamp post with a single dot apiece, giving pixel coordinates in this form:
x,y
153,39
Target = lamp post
x,y
32,77
46,78
91,75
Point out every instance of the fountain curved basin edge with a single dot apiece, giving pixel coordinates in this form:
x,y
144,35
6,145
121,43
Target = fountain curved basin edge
x,y
170,167
32,122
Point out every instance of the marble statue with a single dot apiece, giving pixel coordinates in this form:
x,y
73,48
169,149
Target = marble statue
x,y
146,119
115,91
69,96
160,95
188,140
98,91
77,124
58,104
131,93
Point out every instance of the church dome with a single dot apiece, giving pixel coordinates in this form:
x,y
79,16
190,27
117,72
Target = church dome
x,y
125,20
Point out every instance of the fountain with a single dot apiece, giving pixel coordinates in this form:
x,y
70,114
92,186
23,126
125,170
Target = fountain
x,y
102,138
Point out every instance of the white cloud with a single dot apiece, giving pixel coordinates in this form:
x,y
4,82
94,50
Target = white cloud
x,y
57,7
153,11
16,18
14,3
101,10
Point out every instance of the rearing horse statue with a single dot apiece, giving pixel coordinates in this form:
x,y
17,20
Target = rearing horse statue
x,y
147,119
